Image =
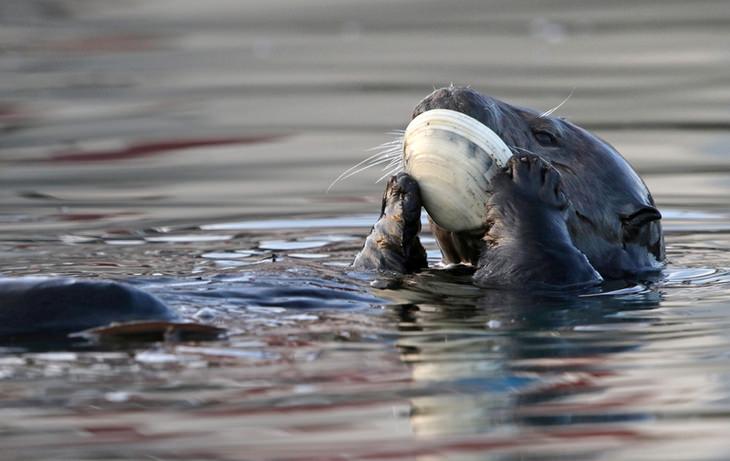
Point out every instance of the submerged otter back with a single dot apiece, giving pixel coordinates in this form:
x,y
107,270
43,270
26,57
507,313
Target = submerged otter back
x,y
57,306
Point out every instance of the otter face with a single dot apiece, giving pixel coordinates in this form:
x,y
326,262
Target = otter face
x,y
611,218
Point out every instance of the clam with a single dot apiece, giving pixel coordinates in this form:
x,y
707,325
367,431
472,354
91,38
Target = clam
x,y
454,158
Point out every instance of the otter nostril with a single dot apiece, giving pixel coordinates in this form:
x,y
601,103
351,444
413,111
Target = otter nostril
x,y
634,223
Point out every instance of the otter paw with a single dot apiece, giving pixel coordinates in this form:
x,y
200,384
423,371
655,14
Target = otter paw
x,y
536,178
393,243
402,199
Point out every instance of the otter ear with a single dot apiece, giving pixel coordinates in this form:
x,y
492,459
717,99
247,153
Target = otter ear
x,y
633,223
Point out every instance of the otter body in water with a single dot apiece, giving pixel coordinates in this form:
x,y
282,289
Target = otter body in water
x,y
566,210
54,306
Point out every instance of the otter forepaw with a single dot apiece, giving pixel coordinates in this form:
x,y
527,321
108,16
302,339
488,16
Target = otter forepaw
x,y
528,243
402,200
534,177
393,243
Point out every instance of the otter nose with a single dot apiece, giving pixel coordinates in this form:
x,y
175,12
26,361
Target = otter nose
x,y
464,100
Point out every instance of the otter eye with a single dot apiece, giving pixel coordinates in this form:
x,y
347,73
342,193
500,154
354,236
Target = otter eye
x,y
545,138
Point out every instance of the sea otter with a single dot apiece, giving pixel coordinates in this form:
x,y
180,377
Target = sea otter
x,y
566,211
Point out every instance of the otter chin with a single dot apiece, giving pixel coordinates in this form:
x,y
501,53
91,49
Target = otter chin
x,y
526,198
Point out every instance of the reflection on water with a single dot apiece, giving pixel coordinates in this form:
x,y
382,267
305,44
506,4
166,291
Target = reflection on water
x,y
186,147
321,361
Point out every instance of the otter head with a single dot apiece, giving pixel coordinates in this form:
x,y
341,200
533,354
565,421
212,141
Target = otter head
x,y
611,218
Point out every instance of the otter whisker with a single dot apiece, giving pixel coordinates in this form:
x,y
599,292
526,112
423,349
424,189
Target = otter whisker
x,y
390,173
368,162
386,146
392,152
392,168
398,133
549,112
389,153
365,167
394,162
344,173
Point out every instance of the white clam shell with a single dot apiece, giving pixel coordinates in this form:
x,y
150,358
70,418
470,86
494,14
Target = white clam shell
x,y
454,158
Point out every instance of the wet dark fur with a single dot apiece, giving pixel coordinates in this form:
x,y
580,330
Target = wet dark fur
x,y
57,306
567,208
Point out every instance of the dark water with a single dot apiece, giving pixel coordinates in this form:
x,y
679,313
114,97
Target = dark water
x,y
187,147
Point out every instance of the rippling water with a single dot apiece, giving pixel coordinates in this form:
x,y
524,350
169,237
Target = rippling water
x,y
187,146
